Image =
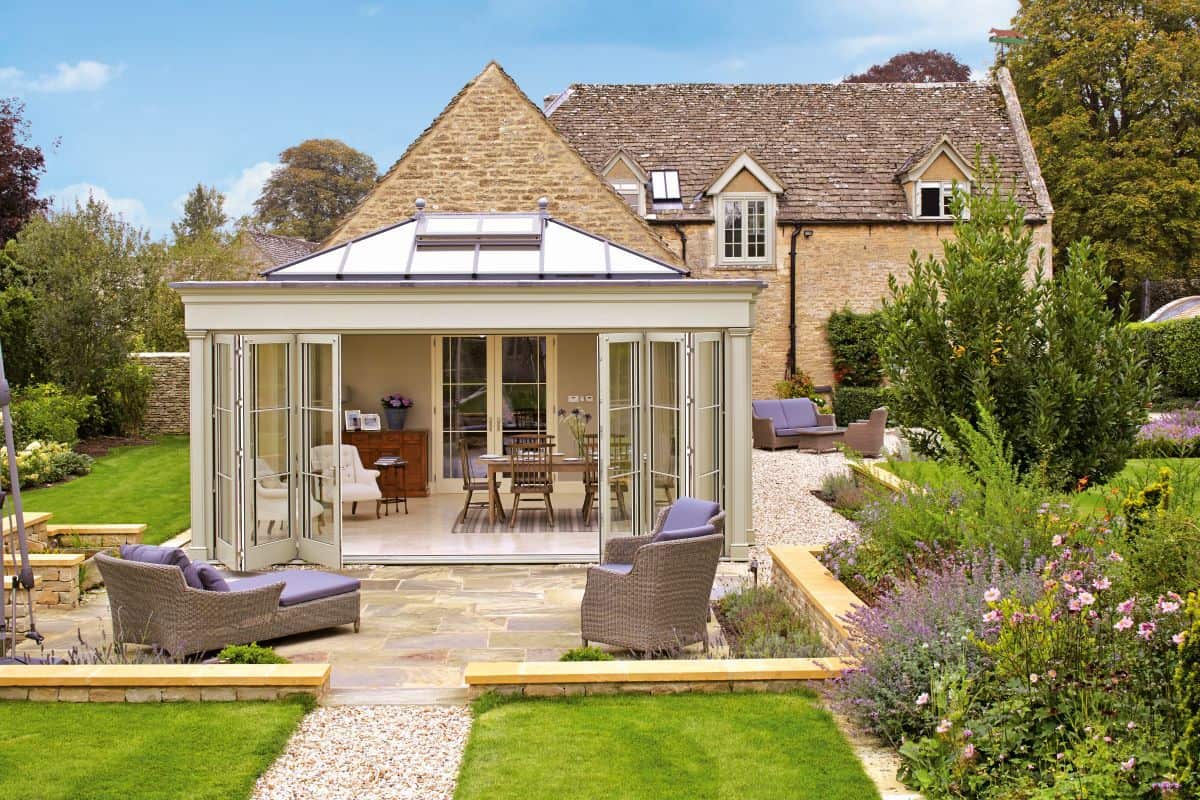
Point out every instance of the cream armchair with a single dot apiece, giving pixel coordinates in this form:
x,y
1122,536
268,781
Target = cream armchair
x,y
271,499
358,483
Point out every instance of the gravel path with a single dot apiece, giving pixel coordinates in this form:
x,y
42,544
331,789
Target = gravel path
x,y
378,752
785,511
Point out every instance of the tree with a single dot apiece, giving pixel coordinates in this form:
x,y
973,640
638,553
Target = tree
x,y
973,334
319,181
21,167
928,66
203,214
1111,93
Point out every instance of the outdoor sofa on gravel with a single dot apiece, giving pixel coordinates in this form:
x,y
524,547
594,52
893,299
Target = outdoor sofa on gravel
x,y
793,422
158,597
651,593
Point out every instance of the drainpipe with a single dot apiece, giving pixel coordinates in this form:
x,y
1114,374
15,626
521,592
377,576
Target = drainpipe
x,y
682,241
791,354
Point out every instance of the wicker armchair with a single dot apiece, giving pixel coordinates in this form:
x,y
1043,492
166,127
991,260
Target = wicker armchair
x,y
653,596
866,438
151,604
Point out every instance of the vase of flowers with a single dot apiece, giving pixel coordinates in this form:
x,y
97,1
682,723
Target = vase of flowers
x,y
395,410
577,423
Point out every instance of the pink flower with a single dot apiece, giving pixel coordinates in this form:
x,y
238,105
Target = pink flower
x,y
1060,756
922,699
1101,583
968,733
1056,541
992,616
1146,630
943,726
968,752
1115,557
1128,765
1179,638
1086,598
1130,726
1074,604
992,595
1126,606
1052,674
1033,677
1167,606
1123,624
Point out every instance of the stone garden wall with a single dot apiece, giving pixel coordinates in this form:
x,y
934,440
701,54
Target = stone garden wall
x,y
168,408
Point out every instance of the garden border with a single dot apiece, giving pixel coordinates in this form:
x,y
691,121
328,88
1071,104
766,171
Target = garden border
x,y
157,683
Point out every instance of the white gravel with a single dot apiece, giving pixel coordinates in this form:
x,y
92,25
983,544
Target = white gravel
x,y
785,511
378,752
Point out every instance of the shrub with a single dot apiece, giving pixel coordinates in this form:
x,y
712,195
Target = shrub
x,y
1173,348
1187,687
854,341
40,464
124,397
1047,357
852,403
252,653
1175,434
46,412
844,492
761,624
589,653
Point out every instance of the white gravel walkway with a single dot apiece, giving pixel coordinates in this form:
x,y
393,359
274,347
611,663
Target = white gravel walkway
x,y
785,511
377,752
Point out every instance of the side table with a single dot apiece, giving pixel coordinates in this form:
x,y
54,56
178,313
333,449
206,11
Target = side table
x,y
397,463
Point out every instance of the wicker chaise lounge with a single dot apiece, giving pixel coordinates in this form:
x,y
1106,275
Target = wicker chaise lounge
x,y
152,603
651,593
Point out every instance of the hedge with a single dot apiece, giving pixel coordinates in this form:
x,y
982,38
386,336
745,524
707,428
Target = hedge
x,y
1174,348
852,403
854,342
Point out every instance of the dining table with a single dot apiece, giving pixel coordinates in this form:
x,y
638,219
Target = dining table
x,y
498,466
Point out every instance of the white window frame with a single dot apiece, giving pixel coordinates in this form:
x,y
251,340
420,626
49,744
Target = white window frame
x,y
947,192
625,187
768,258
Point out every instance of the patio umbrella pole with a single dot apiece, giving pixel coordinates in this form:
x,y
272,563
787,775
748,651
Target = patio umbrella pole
x,y
24,574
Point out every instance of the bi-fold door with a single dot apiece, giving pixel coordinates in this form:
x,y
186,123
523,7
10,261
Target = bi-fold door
x,y
662,425
276,467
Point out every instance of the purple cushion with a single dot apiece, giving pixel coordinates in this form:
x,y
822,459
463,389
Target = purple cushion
x,y
770,409
689,512
301,585
800,412
620,569
204,576
683,533
153,554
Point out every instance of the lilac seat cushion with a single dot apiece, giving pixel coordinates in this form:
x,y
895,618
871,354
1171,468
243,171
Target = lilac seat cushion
x,y
620,569
690,512
770,409
205,576
799,412
153,554
684,533
301,585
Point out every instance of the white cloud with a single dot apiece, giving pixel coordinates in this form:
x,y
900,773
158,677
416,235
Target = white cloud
x,y
130,208
82,76
242,191
370,9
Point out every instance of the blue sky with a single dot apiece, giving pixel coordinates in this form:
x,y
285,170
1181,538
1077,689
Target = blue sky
x,y
149,98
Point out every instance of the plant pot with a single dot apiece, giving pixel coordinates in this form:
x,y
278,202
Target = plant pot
x,y
395,417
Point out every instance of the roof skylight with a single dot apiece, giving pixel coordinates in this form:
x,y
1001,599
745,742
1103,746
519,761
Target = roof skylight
x,y
664,185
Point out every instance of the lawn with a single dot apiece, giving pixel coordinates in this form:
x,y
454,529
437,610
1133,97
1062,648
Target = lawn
x,y
139,483
1137,473
115,751
695,746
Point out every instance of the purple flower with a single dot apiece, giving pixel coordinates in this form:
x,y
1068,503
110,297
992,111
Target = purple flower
x,y
1128,765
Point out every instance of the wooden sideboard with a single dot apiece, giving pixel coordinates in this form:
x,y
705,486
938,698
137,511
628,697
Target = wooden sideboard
x,y
412,446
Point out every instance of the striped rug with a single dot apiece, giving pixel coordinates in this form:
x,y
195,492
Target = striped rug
x,y
531,519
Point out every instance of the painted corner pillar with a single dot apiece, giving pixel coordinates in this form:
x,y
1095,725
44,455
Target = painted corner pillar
x,y
739,444
199,443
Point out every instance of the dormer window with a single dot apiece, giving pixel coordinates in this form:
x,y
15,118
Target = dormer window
x,y
628,180
934,198
930,178
744,202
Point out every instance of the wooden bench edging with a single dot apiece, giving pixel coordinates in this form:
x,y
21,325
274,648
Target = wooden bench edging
x,y
882,477
314,676
822,591
511,673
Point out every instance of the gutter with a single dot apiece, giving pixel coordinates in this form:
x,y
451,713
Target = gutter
x,y
682,242
791,353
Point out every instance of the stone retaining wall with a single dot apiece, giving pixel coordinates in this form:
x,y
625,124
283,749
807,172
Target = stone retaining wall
x,y
55,582
168,408
143,694
815,593
162,683
36,534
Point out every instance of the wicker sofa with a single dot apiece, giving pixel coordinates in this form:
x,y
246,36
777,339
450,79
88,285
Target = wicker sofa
x,y
793,422
151,603
651,593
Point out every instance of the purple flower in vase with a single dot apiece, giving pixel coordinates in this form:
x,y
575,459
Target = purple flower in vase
x,y
397,401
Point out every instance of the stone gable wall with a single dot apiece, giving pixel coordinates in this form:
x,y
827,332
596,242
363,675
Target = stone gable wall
x,y
168,408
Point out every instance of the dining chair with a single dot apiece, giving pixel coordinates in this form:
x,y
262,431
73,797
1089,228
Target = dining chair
x,y
472,484
591,473
532,470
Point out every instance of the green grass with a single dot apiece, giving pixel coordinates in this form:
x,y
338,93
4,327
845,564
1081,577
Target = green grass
x,y
140,483
693,746
117,751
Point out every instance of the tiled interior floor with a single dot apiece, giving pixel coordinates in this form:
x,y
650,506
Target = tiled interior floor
x,y
428,530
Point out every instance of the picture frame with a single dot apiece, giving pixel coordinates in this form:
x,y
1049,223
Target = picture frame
x,y
370,422
353,419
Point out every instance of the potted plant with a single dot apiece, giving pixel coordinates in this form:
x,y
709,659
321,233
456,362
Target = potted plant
x,y
395,409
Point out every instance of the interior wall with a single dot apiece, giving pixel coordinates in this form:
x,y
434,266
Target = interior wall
x,y
374,365
576,376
